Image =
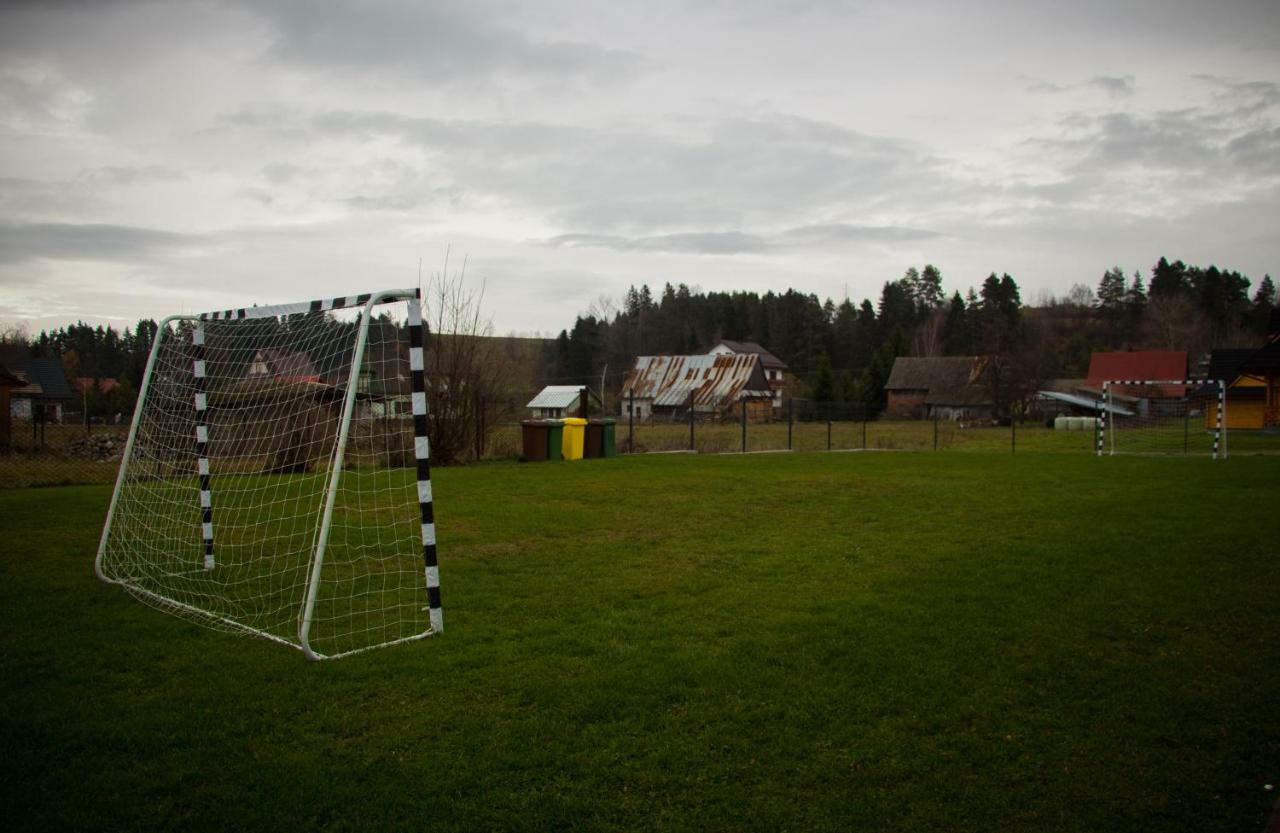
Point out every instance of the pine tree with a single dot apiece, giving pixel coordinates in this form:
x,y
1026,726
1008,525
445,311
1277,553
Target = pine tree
x,y
824,386
956,339
931,287
1112,290
1168,278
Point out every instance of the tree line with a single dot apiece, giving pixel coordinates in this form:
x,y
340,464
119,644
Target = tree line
x,y
844,352
839,352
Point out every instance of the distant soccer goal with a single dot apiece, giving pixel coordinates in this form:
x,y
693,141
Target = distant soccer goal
x,y
1163,417
276,479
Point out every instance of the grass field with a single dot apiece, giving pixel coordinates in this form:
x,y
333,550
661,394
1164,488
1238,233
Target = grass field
x,y
776,642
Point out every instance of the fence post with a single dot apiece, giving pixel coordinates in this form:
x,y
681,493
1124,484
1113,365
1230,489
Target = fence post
x,y
790,420
828,428
935,432
1013,435
744,426
631,423
691,420
864,430
1185,413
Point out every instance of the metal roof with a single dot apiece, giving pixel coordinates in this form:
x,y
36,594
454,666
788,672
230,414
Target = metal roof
x,y
556,396
716,381
1138,365
1085,402
771,362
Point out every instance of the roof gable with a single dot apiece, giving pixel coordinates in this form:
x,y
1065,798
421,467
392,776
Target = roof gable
x,y
47,373
556,396
742,348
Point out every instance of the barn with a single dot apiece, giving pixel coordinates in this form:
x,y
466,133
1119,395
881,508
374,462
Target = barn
x,y
666,386
938,387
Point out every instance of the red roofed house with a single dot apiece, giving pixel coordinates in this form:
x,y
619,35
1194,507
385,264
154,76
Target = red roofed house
x,y
1150,365
85,384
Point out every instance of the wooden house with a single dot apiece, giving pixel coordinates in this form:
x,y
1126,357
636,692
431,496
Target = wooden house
x,y
1252,378
44,391
941,387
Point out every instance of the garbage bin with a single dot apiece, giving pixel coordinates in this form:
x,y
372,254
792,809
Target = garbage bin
x,y
555,439
534,435
609,444
600,438
594,440
574,437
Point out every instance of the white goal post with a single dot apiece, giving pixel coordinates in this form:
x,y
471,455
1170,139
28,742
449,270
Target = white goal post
x,y
276,478
1163,416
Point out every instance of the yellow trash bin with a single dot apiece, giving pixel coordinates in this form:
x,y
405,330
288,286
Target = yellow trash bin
x,y
575,434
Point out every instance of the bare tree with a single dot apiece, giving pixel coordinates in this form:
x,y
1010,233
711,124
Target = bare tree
x,y
1014,376
465,367
15,334
927,338
1171,322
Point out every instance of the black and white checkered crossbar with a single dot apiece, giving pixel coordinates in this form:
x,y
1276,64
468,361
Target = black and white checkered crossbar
x,y
202,442
422,455
323,305
1219,439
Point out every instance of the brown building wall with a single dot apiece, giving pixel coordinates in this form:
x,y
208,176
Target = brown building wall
x,y
906,404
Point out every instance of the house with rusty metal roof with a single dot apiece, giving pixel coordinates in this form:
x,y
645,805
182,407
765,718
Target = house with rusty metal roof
x,y
667,386
942,387
776,372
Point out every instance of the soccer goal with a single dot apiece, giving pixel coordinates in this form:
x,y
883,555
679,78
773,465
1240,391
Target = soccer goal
x,y
276,479
1163,417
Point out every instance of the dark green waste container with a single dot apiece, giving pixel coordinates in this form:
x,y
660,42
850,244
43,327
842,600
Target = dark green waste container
x,y
600,440
555,439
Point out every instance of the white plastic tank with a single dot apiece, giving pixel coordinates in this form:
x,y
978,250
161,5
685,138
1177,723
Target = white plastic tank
x,y
1061,423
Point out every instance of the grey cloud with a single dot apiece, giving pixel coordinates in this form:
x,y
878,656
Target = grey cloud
x,y
1113,86
1192,142
432,41
842,232
1256,150
629,182
132,175
1243,99
704,243
734,242
89,241
36,198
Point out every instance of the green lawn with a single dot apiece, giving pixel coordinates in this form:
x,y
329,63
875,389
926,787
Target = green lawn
x,y
775,642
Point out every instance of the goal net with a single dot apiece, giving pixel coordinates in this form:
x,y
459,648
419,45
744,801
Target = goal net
x,y
1163,417
276,478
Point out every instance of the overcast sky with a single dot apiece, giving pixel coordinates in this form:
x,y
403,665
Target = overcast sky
x,y
170,157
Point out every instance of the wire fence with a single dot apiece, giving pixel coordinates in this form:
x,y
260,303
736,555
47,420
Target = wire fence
x,y
52,454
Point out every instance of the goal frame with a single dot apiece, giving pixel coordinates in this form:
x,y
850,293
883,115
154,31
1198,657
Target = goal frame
x,y
365,303
1219,434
